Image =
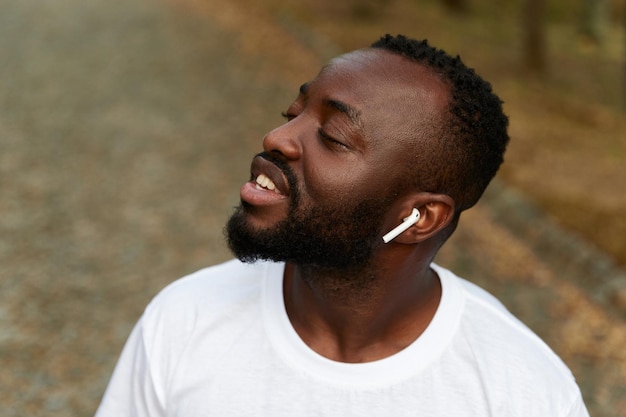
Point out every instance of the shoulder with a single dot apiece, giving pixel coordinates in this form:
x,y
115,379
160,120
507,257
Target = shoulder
x,y
490,322
216,284
486,320
503,352
206,296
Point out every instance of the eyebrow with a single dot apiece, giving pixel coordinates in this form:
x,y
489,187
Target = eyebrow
x,y
353,114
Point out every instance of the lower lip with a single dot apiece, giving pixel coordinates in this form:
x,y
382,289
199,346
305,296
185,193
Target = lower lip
x,y
259,197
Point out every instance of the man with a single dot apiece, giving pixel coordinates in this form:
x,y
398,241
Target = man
x,y
338,310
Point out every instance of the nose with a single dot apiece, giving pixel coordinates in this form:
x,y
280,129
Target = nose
x,y
284,140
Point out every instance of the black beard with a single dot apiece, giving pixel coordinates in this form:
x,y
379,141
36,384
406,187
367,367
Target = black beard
x,y
337,236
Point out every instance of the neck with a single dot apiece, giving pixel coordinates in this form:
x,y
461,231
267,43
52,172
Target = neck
x,y
361,315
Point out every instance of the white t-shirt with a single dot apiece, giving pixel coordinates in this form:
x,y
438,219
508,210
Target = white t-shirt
x,y
219,343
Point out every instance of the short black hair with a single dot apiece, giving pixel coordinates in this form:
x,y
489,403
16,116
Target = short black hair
x,y
473,138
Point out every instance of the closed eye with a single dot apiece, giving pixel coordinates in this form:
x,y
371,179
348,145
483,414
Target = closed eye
x,y
330,140
288,116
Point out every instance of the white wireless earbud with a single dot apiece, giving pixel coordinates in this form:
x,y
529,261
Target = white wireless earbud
x,y
406,223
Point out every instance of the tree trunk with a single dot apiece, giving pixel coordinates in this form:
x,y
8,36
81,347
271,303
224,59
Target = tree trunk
x,y
534,36
456,6
624,57
594,20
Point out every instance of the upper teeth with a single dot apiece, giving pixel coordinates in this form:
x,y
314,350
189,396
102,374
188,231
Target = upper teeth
x,y
265,182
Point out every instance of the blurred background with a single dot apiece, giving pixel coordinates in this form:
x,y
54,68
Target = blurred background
x,y
127,128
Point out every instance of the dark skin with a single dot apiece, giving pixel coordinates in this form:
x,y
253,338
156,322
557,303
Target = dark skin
x,y
350,135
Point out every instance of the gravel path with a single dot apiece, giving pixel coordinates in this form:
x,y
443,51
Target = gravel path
x,y
126,129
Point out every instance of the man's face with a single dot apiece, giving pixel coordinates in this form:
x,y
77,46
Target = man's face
x,y
321,192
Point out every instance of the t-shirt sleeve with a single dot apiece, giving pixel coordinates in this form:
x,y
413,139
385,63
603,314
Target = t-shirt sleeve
x,y
578,409
132,390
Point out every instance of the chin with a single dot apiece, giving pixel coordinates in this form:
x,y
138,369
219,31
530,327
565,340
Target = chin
x,y
260,218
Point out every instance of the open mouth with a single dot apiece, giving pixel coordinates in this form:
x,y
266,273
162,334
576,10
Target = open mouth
x,y
268,176
264,183
268,184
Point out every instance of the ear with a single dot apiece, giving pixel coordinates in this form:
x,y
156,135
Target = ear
x,y
436,213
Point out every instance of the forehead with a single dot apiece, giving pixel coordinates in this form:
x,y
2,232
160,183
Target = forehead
x,y
378,82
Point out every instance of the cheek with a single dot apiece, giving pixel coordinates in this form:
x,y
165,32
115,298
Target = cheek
x,y
346,182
